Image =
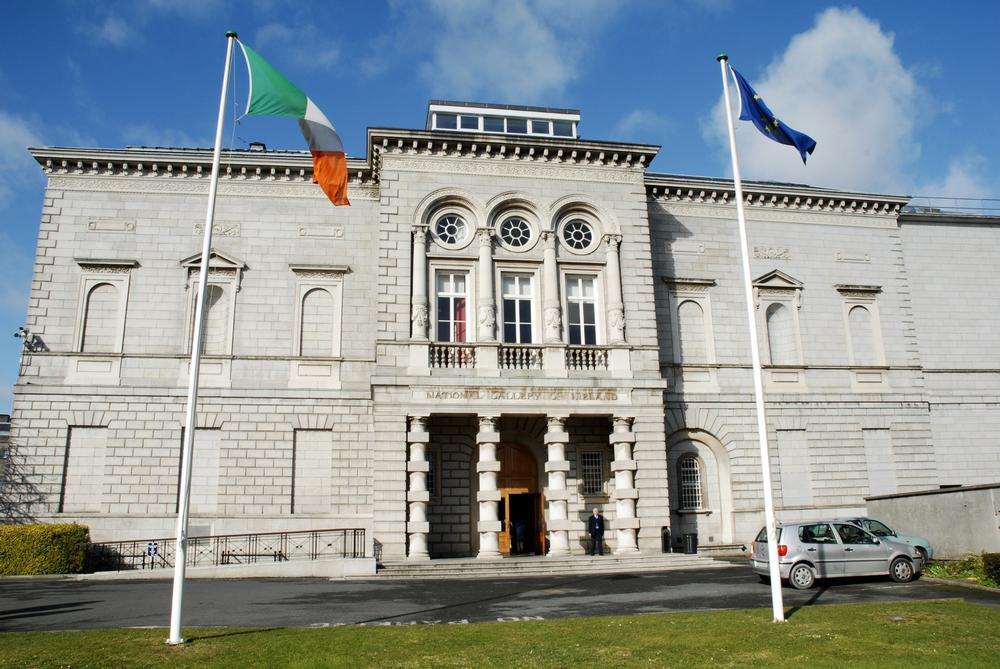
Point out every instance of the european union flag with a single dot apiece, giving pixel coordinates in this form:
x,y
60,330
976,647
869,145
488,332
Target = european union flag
x,y
752,108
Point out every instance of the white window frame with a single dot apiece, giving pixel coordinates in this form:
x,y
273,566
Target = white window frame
x,y
326,277
700,469
597,275
468,269
534,273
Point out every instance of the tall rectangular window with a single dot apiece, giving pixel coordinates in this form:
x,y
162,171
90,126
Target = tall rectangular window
x,y
581,305
452,297
517,308
690,474
592,472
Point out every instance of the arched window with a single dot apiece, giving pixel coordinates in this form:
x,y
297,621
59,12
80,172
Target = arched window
x,y
100,319
690,476
691,325
781,335
316,337
862,336
213,336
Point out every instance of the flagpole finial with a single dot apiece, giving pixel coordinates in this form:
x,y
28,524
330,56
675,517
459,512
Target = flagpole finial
x,y
232,33
722,56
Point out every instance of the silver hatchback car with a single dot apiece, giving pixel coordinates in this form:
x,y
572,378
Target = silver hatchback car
x,y
831,549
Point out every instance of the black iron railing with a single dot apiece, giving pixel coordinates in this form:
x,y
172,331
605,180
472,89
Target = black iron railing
x,y
228,549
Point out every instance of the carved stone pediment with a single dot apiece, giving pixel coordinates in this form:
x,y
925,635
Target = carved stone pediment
x,y
219,264
778,285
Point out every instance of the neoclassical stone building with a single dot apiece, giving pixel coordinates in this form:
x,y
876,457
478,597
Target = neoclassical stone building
x,y
509,326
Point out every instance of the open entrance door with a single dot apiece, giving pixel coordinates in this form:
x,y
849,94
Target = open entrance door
x,y
522,526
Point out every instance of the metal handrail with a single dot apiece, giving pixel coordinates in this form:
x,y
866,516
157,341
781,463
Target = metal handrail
x,y
228,549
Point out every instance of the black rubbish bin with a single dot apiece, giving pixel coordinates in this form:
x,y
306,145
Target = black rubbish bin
x,y
665,539
691,543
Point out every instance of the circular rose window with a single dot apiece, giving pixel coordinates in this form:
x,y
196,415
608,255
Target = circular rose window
x,y
578,234
451,229
515,232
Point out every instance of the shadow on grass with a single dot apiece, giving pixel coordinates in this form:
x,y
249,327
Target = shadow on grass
x,y
206,635
812,600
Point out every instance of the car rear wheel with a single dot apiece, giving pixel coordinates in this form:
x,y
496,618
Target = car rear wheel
x,y
901,570
802,577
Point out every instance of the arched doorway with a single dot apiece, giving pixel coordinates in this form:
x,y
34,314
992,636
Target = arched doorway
x,y
522,530
700,487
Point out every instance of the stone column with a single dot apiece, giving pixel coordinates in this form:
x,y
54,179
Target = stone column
x,y
623,466
418,312
616,305
488,496
556,495
552,305
417,496
487,311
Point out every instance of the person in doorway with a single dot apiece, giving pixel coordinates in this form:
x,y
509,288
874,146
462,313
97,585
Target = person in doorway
x,y
519,533
595,527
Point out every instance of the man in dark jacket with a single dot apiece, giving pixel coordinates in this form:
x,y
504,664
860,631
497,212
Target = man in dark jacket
x,y
595,527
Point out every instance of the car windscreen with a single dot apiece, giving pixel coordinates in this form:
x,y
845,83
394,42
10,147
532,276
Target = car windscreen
x,y
878,529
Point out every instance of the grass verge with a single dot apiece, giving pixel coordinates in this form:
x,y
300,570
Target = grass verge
x,y
969,568
945,633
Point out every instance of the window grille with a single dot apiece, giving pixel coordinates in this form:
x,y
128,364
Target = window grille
x,y
592,472
690,483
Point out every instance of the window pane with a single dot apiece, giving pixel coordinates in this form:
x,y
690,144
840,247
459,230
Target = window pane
x,y
592,472
470,122
525,311
574,335
525,333
459,280
540,127
690,474
444,309
589,314
493,124
509,309
446,121
510,333
562,128
590,334
518,125
459,319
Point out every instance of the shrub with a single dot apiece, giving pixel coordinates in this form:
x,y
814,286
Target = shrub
x,y
991,566
43,549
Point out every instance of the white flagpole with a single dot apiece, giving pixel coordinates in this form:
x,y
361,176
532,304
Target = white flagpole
x,y
180,555
777,604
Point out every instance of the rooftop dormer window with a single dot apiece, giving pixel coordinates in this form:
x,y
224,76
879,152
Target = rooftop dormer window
x,y
507,119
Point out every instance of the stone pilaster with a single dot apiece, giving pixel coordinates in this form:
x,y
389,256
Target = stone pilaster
x,y
487,310
615,301
556,495
551,306
626,524
488,467
418,313
417,496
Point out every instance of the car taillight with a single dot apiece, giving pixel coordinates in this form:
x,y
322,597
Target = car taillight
x,y
782,550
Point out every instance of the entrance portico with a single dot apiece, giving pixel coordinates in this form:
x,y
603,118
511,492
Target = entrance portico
x,y
584,461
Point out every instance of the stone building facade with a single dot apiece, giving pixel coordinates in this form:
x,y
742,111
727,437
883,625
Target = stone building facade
x,y
509,326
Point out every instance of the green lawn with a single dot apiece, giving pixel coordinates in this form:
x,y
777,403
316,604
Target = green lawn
x,y
933,634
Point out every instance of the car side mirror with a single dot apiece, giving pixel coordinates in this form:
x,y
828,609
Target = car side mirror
x,y
877,541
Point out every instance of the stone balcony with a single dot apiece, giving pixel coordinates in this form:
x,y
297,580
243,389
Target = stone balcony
x,y
492,359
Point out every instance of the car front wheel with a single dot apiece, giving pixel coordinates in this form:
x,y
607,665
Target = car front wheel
x,y
901,570
802,577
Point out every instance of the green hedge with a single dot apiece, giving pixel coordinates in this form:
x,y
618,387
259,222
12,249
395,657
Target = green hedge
x,y
43,549
991,566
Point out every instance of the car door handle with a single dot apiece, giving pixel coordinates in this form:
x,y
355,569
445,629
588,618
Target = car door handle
x,y
848,550
811,550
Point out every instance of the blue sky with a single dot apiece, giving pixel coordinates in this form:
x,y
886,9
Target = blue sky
x,y
899,96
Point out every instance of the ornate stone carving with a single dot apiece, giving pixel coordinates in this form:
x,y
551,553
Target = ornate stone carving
x,y
502,168
193,186
219,229
418,315
771,253
487,316
614,242
553,324
616,321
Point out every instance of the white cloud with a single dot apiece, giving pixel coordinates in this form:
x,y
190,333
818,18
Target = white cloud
x,y
17,167
640,125
304,45
842,83
522,51
112,30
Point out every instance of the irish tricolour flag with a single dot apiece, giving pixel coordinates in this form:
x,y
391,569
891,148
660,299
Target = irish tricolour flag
x,y
272,94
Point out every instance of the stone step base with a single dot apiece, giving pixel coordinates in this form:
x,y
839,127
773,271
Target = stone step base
x,y
456,568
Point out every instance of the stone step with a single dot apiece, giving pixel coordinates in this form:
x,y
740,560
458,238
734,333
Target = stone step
x,y
542,566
